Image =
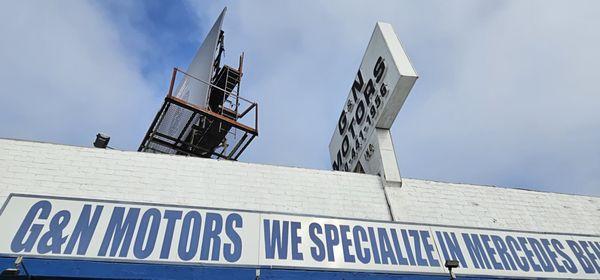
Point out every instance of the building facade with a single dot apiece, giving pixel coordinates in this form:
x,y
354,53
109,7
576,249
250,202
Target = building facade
x,y
322,204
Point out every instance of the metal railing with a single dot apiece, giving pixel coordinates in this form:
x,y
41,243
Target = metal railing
x,y
183,127
240,104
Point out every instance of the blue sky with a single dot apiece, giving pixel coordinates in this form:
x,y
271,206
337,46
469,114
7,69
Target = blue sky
x,y
507,93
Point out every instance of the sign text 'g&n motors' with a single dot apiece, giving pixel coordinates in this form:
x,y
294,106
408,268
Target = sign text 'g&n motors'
x,y
117,231
384,80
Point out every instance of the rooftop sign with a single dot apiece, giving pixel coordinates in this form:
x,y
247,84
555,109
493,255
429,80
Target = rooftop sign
x,y
53,227
383,81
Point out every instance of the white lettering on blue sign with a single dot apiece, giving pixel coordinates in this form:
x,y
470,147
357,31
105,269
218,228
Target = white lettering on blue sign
x,y
104,230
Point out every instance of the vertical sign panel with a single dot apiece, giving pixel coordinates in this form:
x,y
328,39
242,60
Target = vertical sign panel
x,y
383,82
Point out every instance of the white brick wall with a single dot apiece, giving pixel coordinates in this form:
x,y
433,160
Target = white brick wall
x,y
49,169
494,207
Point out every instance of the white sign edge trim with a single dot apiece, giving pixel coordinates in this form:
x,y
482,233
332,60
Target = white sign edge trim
x,y
277,213
11,195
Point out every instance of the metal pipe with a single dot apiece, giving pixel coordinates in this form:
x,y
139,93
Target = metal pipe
x,y
161,112
211,85
247,110
172,81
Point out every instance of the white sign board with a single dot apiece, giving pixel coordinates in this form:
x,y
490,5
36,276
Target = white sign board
x,y
191,90
52,227
201,68
383,81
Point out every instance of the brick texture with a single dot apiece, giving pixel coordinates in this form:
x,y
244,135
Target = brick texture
x,y
494,207
50,169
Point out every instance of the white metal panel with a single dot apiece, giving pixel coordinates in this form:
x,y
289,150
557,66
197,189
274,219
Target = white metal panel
x,y
193,90
201,67
75,228
383,82
380,157
58,218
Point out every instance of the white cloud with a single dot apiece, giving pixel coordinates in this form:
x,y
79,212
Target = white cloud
x,y
507,92
66,75
506,95
521,108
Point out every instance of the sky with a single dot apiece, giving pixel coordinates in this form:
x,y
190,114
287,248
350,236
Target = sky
x,y
507,93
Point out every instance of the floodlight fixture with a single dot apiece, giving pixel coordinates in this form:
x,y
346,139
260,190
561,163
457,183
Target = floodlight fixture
x,y
9,273
101,141
13,272
450,264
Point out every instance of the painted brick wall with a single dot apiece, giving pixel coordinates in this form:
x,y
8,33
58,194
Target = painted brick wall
x,y
49,169
494,207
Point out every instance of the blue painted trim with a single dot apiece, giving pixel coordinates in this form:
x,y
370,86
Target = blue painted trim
x,y
276,274
60,268
40,268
